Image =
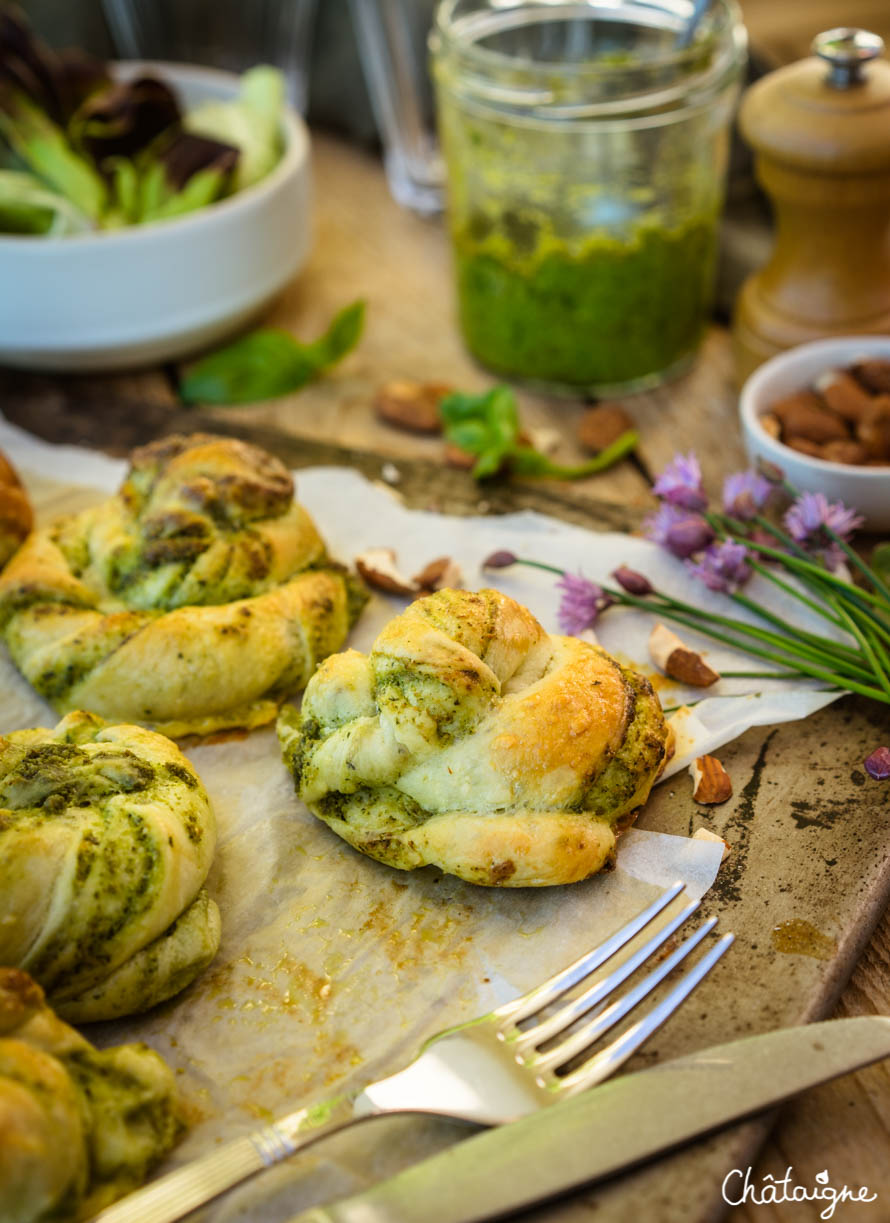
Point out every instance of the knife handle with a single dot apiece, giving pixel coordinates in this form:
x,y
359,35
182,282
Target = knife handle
x,y
180,1192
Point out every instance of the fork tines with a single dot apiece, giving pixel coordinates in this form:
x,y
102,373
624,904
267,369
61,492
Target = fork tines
x,y
544,1027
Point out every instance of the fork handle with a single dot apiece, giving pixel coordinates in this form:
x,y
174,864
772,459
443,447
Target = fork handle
x,y
179,1193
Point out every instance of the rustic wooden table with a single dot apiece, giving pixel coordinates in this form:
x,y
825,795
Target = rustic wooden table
x,y
365,246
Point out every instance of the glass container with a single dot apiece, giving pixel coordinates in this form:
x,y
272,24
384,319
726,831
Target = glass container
x,y
586,150
228,34
392,39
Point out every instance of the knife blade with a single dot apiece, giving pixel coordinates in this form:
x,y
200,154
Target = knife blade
x,y
613,1127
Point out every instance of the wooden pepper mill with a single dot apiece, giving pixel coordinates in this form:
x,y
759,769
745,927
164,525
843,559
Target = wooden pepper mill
x,y
821,138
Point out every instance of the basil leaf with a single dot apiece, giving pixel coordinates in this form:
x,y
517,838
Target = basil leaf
x,y
269,362
487,426
340,338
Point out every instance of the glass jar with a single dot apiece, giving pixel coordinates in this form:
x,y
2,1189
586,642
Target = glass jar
x,y
586,151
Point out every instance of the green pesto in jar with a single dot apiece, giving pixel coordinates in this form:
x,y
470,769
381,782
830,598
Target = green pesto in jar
x,y
602,312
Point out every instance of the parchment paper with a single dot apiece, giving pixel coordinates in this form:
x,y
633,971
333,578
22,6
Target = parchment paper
x,y
334,968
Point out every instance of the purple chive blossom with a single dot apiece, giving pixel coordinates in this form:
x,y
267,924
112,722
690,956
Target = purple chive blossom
x,y
581,603
681,532
813,511
877,765
680,483
631,581
744,494
499,560
723,567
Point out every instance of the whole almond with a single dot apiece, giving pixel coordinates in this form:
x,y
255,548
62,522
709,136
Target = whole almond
x,y
844,452
843,394
795,402
805,446
411,405
874,429
874,374
815,424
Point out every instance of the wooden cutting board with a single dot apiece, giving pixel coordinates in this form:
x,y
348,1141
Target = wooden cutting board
x,y
808,874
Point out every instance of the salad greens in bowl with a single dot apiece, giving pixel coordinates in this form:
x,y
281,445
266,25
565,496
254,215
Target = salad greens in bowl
x,y
146,209
82,148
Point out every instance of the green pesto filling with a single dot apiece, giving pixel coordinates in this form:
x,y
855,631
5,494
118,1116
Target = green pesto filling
x,y
453,703
607,313
131,1112
55,776
118,865
118,877
613,790
370,814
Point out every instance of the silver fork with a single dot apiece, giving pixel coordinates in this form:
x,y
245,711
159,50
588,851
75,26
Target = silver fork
x,y
488,1071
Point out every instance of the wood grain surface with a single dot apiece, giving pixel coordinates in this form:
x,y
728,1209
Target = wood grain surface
x,y
366,247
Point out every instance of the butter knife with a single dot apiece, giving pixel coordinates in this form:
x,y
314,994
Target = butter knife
x,y
613,1127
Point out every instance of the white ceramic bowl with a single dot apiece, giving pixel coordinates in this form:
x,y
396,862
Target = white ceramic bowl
x,y
866,489
136,296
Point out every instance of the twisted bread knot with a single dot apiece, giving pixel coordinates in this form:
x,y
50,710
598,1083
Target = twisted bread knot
x,y
193,600
106,838
16,519
472,739
78,1126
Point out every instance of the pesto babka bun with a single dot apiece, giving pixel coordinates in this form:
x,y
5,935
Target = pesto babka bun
x,y
193,600
106,838
15,510
79,1126
473,740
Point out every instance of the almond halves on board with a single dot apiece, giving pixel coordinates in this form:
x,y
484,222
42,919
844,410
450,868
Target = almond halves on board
x,y
438,574
705,834
379,569
710,781
678,660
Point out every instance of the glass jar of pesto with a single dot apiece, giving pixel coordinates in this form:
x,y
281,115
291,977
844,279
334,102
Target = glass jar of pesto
x,y
586,149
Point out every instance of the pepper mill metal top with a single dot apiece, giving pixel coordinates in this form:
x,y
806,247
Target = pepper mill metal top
x,y
847,50
837,119
821,140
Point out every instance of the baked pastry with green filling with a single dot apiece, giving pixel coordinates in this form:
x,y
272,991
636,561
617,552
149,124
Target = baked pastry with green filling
x,y
106,838
194,600
16,518
471,739
79,1126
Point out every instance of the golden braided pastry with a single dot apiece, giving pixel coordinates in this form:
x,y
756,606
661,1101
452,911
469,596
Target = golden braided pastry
x,y
106,838
79,1126
193,600
16,518
471,739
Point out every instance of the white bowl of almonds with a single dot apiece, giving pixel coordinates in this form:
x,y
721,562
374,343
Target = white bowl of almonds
x,y
821,413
